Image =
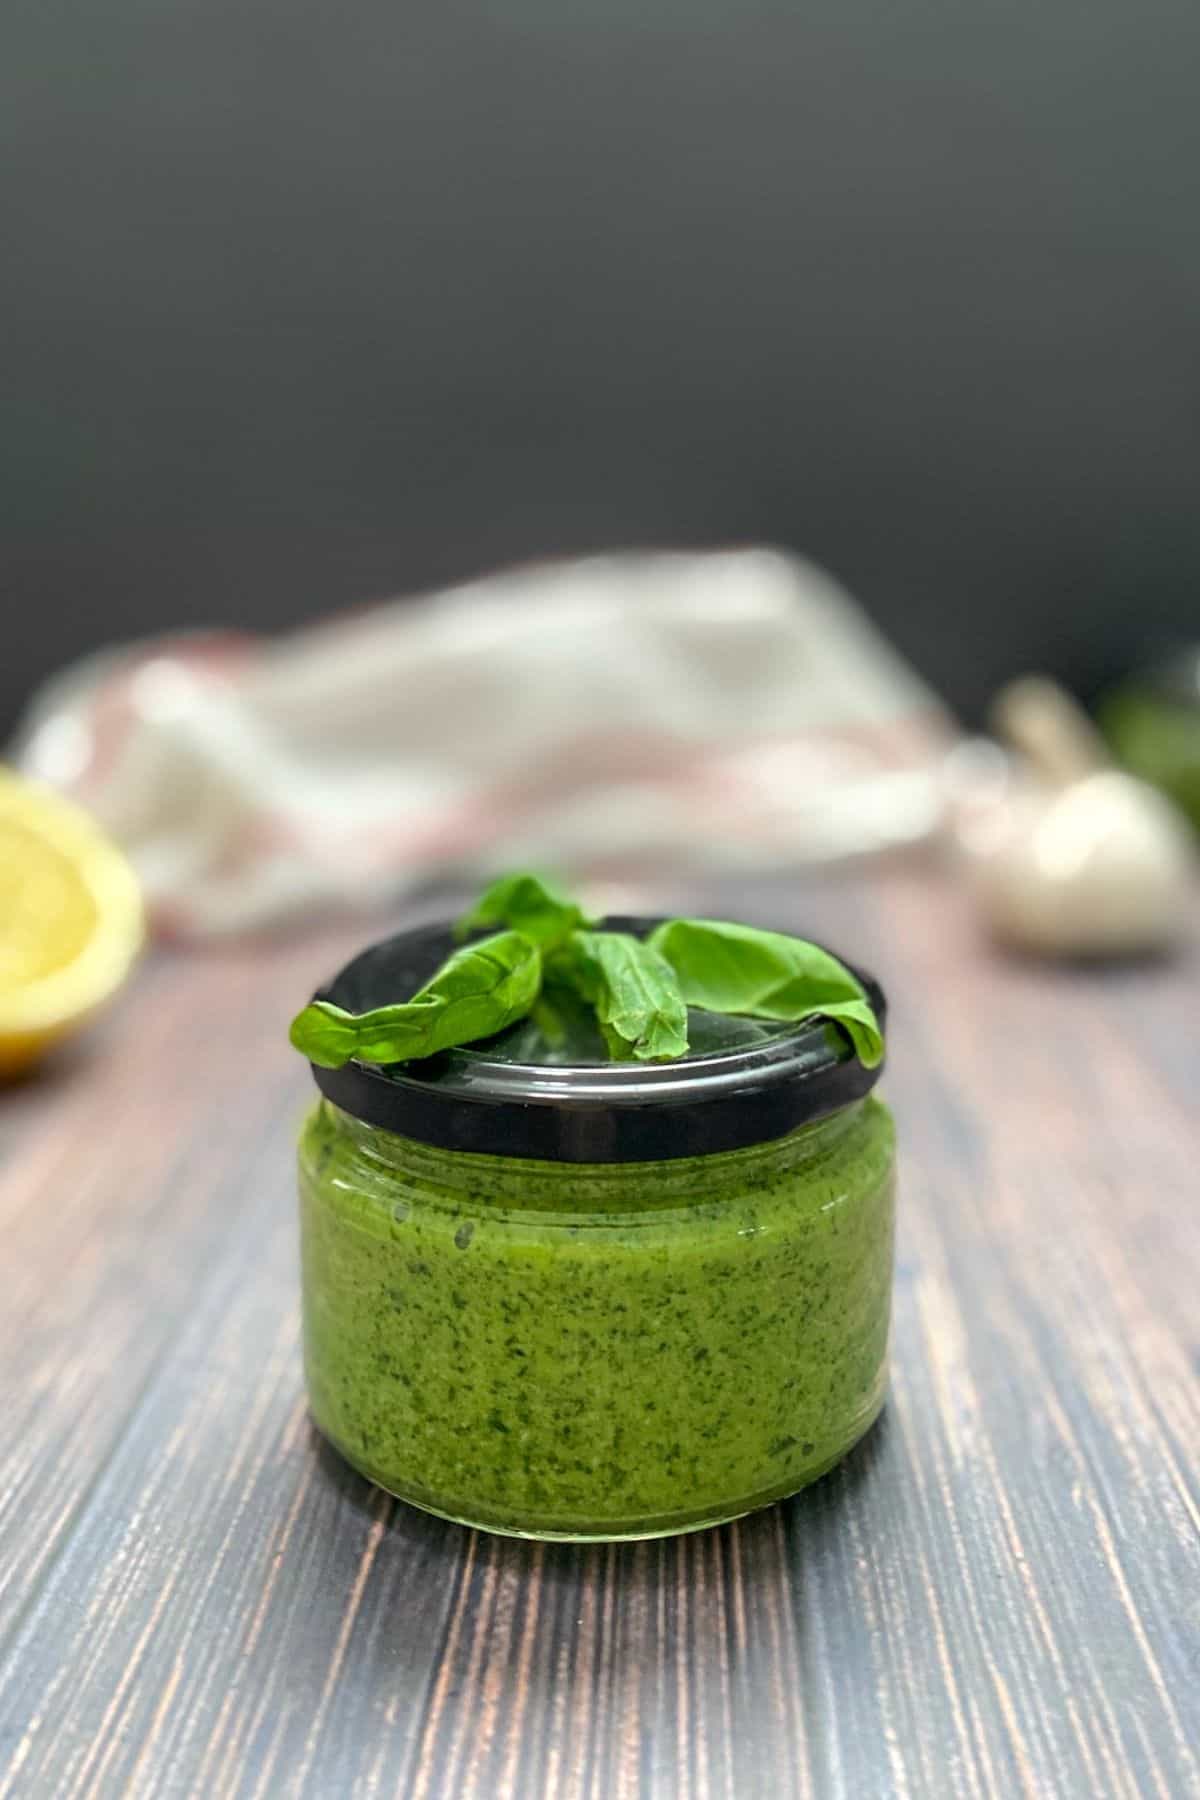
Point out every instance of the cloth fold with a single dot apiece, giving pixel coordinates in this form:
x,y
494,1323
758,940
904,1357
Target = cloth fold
x,y
605,717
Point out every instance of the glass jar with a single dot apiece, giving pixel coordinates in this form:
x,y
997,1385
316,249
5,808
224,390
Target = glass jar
x,y
557,1297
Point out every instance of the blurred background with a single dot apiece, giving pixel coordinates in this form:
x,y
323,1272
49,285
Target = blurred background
x,y
308,304
731,401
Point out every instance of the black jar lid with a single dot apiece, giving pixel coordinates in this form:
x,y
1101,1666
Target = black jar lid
x,y
743,1082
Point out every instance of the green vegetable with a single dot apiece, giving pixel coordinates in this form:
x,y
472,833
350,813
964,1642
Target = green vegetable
x,y
640,989
548,1022
528,904
634,991
765,975
476,992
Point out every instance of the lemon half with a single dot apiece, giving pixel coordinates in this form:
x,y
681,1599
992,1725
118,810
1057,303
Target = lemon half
x,y
71,919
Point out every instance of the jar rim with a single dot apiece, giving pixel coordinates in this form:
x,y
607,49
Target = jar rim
x,y
477,1099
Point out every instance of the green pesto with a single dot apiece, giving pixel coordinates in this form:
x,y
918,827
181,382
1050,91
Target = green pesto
x,y
598,1350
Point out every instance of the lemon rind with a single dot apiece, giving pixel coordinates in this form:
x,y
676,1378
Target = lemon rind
x,y
76,989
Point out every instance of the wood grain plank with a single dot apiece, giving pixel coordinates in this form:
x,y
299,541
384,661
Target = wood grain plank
x,y
997,1594
108,1216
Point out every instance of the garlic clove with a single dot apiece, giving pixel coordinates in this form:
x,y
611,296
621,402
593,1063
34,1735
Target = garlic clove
x,y
1101,867
1063,853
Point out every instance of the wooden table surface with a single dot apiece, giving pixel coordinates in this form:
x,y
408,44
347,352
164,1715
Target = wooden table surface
x,y
997,1594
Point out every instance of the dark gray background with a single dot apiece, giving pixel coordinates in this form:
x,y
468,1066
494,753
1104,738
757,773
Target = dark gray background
x,y
308,303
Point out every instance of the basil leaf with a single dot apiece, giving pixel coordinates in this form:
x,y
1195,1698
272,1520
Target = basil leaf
x,y
766,975
549,1023
528,904
325,1034
476,992
634,991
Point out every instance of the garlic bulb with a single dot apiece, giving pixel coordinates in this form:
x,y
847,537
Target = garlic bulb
x,y
1065,854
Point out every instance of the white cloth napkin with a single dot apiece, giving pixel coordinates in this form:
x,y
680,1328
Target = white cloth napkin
x,y
606,717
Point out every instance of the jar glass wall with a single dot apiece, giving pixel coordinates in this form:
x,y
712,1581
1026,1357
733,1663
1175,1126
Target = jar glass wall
x,y
596,1349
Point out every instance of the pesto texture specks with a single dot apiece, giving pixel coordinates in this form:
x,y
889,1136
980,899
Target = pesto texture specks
x,y
596,1350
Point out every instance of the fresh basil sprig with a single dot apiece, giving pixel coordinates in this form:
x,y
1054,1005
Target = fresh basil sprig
x,y
639,988
529,904
766,975
641,1012
476,992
